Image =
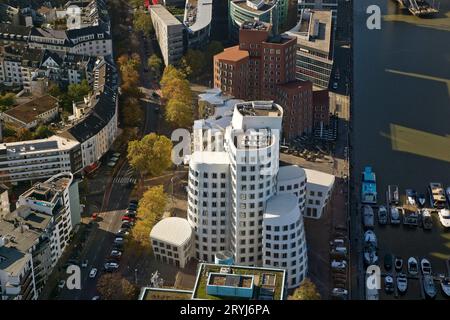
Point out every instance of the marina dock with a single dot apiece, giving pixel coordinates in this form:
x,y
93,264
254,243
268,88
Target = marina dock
x,y
420,8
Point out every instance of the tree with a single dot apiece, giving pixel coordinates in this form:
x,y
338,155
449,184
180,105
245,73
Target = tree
x,y
76,92
42,132
193,63
177,89
24,134
307,291
213,48
7,100
155,64
143,22
132,113
179,113
152,203
112,286
151,154
170,73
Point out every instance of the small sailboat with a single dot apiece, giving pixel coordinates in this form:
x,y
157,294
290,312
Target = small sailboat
x,y
429,286
402,283
413,267
382,215
445,286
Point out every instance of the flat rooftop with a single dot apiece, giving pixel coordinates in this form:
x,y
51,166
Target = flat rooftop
x,y
268,282
259,108
232,54
29,111
198,14
164,294
54,143
265,5
164,15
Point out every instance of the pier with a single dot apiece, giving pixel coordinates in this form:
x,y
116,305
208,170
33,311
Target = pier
x,y
420,8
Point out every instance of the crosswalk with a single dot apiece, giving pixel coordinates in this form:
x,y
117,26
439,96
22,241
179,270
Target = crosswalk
x,y
128,177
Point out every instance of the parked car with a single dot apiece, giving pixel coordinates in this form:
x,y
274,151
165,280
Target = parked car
x,y
339,292
84,264
115,254
95,298
122,233
338,264
134,202
125,225
111,266
335,85
118,240
93,273
126,218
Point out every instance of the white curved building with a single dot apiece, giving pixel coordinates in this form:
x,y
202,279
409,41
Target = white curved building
x,y
292,180
171,240
197,19
284,243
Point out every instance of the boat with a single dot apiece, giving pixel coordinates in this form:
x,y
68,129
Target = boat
x,y
388,284
369,186
368,217
437,195
411,196
393,195
413,267
447,194
395,216
429,286
445,286
370,238
398,263
402,283
425,266
382,215
411,217
444,217
370,255
421,200
427,220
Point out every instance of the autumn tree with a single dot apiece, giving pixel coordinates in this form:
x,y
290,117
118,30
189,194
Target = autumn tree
x,y
179,113
132,113
112,286
151,154
306,291
143,22
24,134
7,100
155,64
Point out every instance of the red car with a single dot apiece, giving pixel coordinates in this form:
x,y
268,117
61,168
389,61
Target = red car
x,y
94,216
126,218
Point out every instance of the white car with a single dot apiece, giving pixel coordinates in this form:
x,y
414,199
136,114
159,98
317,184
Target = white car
x,y
444,217
339,292
339,264
335,85
84,264
93,273
111,266
61,284
96,298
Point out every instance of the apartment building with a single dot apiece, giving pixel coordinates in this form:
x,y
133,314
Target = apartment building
x,y
331,5
319,188
197,20
34,236
169,33
315,41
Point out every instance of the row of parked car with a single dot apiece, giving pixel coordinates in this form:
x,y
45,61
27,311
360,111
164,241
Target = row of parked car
x,y
339,263
128,220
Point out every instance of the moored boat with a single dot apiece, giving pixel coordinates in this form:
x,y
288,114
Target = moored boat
x,y
382,215
402,283
395,215
445,286
369,186
427,220
368,217
413,266
429,287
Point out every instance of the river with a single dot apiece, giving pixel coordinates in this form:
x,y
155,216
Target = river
x,y
401,115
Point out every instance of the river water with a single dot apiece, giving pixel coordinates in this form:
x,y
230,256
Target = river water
x,y
401,114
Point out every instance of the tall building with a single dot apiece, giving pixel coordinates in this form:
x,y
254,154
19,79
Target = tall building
x,y
169,32
253,69
275,12
331,5
34,236
315,40
233,199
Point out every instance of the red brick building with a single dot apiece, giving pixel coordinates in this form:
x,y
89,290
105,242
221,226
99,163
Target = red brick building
x,y
321,107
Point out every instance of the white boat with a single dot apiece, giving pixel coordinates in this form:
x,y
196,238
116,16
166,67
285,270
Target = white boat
x,y
370,255
382,215
429,287
402,283
444,217
425,266
445,286
368,216
427,220
370,238
395,216
413,267
389,284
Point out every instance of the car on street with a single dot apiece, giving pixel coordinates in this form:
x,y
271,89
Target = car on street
x,y
111,266
125,225
335,85
338,264
61,284
134,202
115,254
126,218
93,273
122,233
84,264
118,240
96,298
339,292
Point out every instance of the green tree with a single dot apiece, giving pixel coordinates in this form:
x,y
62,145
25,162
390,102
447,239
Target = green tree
x,y
42,132
151,154
7,100
306,291
143,22
155,64
112,286
170,73
24,134
76,92
132,113
213,48
193,63
179,113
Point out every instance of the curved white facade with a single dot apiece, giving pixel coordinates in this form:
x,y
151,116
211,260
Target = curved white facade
x,y
292,179
284,243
